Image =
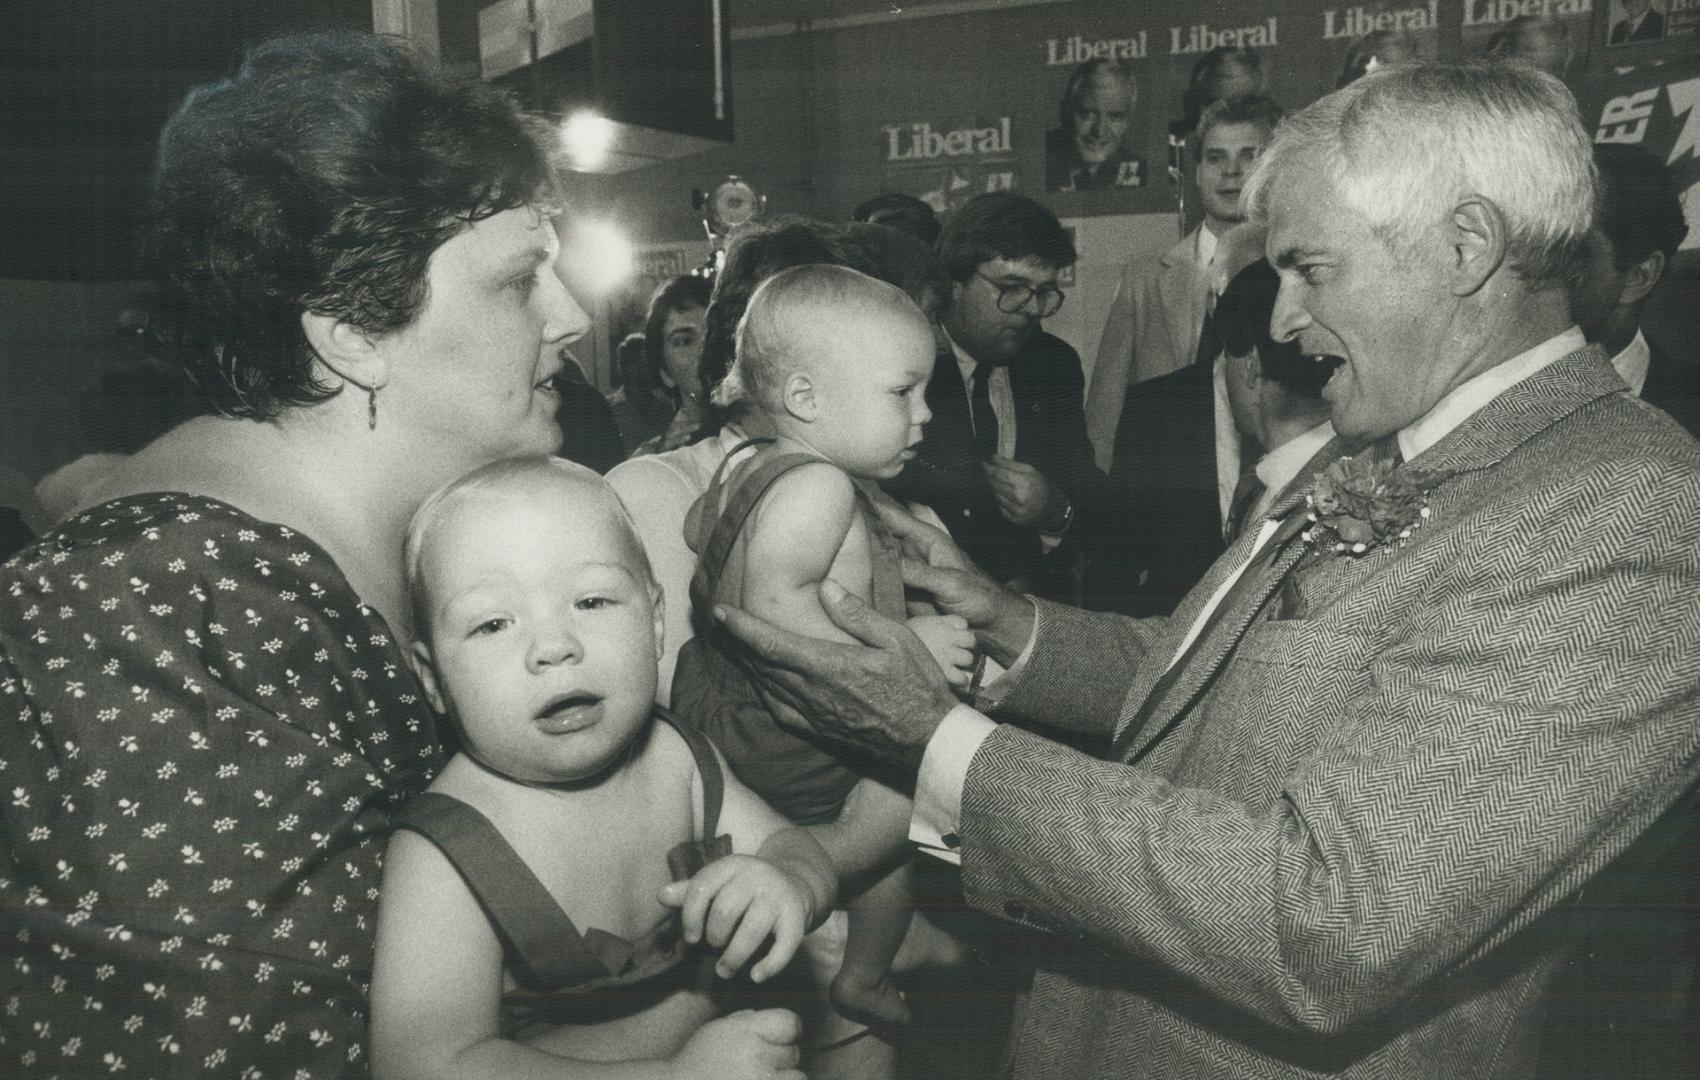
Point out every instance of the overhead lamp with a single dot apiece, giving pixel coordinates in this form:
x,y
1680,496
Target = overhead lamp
x,y
587,137
597,256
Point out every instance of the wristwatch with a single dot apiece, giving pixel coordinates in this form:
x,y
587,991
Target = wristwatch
x,y
1067,520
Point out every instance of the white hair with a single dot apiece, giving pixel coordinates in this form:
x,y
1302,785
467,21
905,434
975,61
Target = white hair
x,y
791,311
1406,143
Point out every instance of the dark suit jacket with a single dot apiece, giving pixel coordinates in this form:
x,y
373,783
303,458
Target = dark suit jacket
x,y
1157,523
1048,386
1673,386
590,435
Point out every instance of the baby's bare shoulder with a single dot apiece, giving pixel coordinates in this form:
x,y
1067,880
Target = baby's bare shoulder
x,y
807,511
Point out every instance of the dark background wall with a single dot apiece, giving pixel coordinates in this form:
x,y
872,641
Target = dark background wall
x,y
85,85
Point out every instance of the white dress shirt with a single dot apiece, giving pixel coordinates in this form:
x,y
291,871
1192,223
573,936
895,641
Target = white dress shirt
x,y
997,388
1227,439
1278,468
1003,407
1227,435
944,766
1632,363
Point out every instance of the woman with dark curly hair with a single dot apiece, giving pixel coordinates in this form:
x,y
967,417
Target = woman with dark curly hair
x,y
209,715
672,346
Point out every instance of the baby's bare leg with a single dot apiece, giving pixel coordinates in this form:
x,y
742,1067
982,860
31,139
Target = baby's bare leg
x,y
879,918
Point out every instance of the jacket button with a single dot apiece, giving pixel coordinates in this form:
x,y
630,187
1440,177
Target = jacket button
x,y
1015,911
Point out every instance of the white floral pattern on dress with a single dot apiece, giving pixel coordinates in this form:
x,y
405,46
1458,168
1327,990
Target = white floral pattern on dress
x,y
202,735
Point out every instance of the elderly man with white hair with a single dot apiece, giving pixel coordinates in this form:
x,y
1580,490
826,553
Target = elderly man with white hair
x,y
1356,777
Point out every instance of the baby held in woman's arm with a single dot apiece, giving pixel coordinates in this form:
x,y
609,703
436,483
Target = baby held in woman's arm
x,y
584,881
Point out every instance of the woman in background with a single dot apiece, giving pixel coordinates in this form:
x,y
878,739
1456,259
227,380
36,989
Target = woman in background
x,y
209,717
672,347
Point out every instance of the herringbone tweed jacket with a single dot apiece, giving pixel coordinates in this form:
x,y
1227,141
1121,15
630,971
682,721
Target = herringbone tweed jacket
x,y
1337,864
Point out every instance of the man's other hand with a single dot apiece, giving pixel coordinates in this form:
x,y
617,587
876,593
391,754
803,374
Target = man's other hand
x,y
1024,496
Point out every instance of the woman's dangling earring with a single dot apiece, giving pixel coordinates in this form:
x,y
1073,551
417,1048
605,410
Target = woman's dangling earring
x,y
372,408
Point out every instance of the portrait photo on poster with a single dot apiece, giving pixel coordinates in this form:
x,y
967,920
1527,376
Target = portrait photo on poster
x,y
1092,146
1636,21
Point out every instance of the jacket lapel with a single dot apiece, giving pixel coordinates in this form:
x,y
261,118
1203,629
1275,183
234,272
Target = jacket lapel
x,y
1260,580
1481,441
1180,286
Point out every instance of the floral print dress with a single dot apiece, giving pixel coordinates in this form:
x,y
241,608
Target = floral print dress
x,y
203,733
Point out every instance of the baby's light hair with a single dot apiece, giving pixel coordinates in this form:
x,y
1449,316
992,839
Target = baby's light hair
x,y
497,478
777,336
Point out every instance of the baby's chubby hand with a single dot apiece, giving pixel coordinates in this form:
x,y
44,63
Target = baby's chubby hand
x,y
950,641
737,902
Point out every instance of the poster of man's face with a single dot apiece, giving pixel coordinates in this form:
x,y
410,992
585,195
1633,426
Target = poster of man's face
x,y
1090,149
1635,21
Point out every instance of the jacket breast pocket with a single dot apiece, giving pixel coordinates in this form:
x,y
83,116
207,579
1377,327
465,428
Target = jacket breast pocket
x,y
1286,682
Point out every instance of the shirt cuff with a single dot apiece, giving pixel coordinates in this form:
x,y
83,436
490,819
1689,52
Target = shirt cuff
x,y
994,683
938,787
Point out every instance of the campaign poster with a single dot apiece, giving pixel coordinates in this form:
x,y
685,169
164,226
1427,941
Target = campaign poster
x,y
1682,21
1354,39
1634,22
1095,145
1551,34
944,162
1658,107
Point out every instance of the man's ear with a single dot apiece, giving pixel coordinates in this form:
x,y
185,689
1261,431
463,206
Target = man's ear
x,y
658,602
1476,243
799,397
1642,277
347,350
419,659
1245,370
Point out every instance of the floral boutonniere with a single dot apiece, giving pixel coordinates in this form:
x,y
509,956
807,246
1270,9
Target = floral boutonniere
x,y
1358,504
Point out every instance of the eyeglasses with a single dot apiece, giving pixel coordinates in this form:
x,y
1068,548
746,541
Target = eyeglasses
x,y
1013,297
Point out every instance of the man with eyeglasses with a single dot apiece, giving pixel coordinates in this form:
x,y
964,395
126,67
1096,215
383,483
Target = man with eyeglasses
x,y
1005,461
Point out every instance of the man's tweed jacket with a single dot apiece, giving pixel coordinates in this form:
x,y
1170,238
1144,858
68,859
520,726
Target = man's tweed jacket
x,y
1337,864
1152,329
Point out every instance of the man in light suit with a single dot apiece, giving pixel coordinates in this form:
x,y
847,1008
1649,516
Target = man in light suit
x,y
1157,319
1355,775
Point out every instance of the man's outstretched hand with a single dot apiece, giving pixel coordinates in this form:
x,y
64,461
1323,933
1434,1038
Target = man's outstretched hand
x,y
883,695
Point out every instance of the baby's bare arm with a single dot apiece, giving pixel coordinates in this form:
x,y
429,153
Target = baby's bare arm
x,y
805,529
757,827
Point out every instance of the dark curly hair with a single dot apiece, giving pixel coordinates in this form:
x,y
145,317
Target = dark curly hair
x,y
319,178
675,294
1243,312
1002,225
1639,207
